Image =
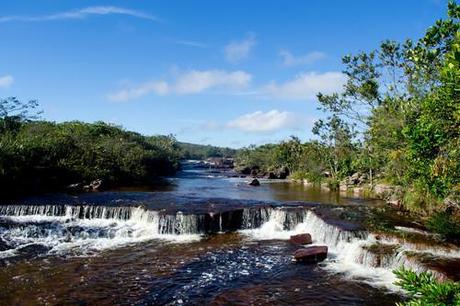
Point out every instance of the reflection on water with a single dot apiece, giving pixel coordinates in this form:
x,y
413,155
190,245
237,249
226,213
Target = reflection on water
x,y
204,184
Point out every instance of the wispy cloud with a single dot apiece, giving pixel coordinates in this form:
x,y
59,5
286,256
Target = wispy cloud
x,y
263,122
290,60
140,90
238,50
6,81
305,86
189,82
191,43
81,14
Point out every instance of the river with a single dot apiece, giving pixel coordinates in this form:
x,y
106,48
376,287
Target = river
x,y
206,238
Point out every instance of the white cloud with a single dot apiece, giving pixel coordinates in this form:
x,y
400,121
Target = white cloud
x,y
158,87
81,14
239,50
306,86
290,60
6,81
259,121
197,81
190,82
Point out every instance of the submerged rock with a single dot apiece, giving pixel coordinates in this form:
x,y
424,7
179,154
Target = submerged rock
x,y
254,182
312,254
301,239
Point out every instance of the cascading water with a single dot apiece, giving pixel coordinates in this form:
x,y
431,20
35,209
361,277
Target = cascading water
x,y
85,228
355,253
63,228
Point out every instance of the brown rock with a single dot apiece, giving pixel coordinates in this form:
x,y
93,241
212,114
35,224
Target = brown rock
x,y
311,254
301,239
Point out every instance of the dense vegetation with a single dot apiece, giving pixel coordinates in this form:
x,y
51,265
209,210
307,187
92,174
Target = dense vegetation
x,y
39,155
201,152
396,121
424,289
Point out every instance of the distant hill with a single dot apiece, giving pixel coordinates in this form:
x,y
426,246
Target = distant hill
x,y
196,151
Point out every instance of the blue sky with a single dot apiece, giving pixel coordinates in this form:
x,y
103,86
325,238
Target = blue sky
x,y
229,73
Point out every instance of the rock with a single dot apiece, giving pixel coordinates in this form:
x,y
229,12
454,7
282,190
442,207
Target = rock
x,y
383,189
271,176
96,184
354,179
75,187
301,239
452,203
282,173
254,182
311,254
343,186
254,171
3,245
245,171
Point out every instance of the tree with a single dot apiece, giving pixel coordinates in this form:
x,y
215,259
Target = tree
x,y
336,141
13,111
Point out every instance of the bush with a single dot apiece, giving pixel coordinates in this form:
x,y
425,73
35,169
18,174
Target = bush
x,y
444,224
42,156
424,289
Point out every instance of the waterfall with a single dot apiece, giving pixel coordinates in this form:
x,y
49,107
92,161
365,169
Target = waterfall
x,y
356,253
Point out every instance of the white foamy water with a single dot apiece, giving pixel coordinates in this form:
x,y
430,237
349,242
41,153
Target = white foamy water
x,y
84,229
349,252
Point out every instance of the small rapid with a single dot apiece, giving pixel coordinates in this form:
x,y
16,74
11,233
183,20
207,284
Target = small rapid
x,y
88,229
357,254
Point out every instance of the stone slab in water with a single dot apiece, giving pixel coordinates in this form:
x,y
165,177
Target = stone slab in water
x,y
311,254
301,239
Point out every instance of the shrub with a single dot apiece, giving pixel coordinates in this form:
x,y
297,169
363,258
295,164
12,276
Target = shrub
x,y
444,224
424,289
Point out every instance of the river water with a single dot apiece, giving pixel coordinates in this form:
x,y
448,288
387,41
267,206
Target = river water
x,y
206,238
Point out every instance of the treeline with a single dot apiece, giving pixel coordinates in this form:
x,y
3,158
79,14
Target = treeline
x,y
37,156
396,121
201,152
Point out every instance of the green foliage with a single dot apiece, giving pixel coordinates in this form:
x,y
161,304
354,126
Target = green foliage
x,y
444,224
433,132
195,151
304,160
424,289
336,146
39,156
262,157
